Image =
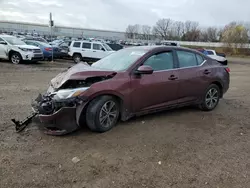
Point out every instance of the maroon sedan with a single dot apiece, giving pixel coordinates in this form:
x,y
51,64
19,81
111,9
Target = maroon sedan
x,y
130,82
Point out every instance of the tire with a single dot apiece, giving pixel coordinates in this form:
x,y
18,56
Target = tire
x,y
95,114
15,58
77,58
211,98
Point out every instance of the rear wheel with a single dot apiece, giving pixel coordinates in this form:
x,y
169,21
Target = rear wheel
x,y
77,58
102,114
211,98
15,58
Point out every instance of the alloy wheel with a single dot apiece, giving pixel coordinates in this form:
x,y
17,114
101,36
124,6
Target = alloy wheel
x,y
15,59
108,114
212,98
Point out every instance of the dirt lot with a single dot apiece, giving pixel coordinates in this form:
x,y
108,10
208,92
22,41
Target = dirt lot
x,y
182,148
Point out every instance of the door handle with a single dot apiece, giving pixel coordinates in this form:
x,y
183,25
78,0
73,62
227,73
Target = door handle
x,y
173,77
207,72
94,51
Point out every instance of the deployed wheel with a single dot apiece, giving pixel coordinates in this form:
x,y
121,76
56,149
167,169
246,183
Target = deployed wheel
x,y
102,114
211,98
15,58
77,58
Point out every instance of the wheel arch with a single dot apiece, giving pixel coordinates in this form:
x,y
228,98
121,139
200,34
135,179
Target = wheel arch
x,y
13,51
219,84
81,110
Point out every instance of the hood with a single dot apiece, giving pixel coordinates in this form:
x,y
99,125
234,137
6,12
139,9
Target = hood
x,y
27,46
81,71
217,58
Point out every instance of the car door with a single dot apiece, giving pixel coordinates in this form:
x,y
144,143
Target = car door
x,y
193,74
87,50
158,89
76,47
3,49
99,50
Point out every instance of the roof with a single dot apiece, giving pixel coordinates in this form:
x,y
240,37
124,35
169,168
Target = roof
x,y
6,36
87,41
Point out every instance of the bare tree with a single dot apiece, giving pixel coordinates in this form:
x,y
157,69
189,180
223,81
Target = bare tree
x,y
132,31
212,34
235,35
146,32
162,28
187,26
179,28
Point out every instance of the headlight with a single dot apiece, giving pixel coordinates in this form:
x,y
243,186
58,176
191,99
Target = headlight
x,y
25,49
68,93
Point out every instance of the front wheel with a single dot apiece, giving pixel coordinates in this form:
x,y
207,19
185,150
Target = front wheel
x,y
211,98
15,58
102,114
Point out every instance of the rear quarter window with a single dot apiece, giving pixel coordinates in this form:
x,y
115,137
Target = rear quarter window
x,y
77,44
200,59
86,45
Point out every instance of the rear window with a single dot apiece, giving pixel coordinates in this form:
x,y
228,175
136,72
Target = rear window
x,y
76,44
86,45
210,52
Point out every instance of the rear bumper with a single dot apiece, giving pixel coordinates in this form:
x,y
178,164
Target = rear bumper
x,y
61,122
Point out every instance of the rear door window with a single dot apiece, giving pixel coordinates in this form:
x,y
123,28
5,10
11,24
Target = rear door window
x,y
160,62
97,46
86,45
186,59
77,44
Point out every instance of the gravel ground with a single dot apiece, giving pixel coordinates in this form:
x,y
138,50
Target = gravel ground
x,y
183,148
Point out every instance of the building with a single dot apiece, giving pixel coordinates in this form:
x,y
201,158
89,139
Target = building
x,y
42,29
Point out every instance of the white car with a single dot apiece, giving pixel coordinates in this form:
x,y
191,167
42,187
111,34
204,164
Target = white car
x,y
214,55
89,51
15,50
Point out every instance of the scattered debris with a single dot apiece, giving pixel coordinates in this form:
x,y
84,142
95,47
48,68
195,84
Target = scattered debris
x,y
206,183
75,160
241,134
159,162
143,122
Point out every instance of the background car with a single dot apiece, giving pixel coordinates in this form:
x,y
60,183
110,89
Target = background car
x,y
88,51
46,49
16,50
220,57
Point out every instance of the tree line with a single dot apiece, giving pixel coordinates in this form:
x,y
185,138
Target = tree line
x,y
167,29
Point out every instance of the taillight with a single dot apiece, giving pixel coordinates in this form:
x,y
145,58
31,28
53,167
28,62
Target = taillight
x,y
48,49
227,69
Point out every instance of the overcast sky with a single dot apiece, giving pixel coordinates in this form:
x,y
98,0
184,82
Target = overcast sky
x,y
117,14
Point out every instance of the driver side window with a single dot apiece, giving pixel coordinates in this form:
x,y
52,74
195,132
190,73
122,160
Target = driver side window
x,y
161,61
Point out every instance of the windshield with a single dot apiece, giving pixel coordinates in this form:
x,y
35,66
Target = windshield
x,y
44,44
14,41
120,60
107,47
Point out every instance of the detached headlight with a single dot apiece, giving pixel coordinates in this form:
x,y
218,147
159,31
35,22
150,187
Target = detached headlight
x,y
68,93
25,49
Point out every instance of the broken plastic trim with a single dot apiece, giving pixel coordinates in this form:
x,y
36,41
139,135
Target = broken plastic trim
x,y
21,125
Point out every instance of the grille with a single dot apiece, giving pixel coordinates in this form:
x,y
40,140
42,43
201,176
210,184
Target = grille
x,y
38,55
37,51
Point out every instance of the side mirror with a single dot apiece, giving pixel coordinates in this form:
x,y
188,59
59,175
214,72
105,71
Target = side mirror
x,y
3,43
144,69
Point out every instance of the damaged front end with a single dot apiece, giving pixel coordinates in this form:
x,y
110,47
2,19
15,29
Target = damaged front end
x,y
65,99
56,111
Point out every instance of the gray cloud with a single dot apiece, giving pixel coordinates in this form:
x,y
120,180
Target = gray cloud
x,y
117,14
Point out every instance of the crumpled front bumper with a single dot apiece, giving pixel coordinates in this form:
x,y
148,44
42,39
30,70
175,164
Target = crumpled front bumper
x,y
61,122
